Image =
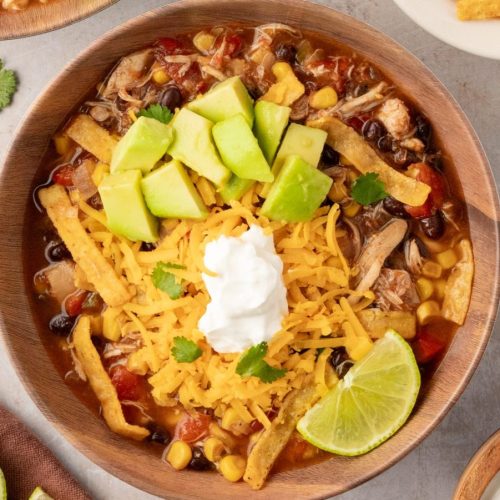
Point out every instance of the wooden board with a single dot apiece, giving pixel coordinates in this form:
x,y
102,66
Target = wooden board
x,y
137,464
39,18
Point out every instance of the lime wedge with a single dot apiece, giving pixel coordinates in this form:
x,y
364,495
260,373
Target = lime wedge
x,y
3,487
39,494
369,404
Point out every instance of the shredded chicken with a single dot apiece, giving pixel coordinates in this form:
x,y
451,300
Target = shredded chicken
x,y
395,116
395,291
413,144
413,259
365,101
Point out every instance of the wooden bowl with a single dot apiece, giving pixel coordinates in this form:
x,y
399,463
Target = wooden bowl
x,y
482,468
39,18
135,463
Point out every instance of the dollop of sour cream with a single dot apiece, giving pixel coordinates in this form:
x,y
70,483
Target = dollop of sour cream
x,y
248,295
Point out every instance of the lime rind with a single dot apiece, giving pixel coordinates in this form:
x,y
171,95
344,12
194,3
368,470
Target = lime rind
x,y
3,486
370,404
39,494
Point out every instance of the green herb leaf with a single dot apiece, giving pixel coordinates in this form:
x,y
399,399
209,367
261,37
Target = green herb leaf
x,y
252,364
158,112
185,350
167,282
368,189
8,85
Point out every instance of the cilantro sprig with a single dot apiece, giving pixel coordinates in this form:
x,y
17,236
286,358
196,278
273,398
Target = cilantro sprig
x,y
8,85
158,112
368,189
166,281
185,350
252,364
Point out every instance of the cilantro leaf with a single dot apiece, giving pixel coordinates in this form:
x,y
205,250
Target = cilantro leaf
x,y
165,281
8,85
368,189
252,364
185,350
158,112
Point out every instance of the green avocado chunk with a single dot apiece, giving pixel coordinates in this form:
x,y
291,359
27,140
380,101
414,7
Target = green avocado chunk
x,y
235,188
240,150
297,192
193,145
225,100
270,122
169,192
125,209
145,142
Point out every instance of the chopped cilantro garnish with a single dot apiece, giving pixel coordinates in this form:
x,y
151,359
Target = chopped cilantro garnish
x,y
158,112
252,363
166,281
185,350
8,85
368,189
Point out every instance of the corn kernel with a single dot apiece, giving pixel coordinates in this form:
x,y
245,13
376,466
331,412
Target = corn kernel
x,y
427,311
62,144
100,171
323,98
136,363
160,77
439,287
232,467
203,41
232,422
338,192
431,269
447,259
425,288
179,455
344,160
214,449
351,209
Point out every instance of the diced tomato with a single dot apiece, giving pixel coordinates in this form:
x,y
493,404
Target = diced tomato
x,y
171,45
434,202
193,427
64,175
74,302
357,122
426,347
297,449
233,45
127,384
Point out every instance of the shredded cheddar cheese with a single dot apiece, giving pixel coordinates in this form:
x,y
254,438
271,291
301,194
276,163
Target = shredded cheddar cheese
x,y
317,278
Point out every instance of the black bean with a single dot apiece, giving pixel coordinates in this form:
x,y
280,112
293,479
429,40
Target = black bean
x,y
286,52
95,201
159,435
395,207
433,226
329,155
339,359
199,461
171,97
61,324
373,130
424,130
147,247
254,92
360,89
57,251
385,144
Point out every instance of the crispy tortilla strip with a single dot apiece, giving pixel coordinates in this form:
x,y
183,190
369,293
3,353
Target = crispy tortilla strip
x,y
478,9
377,322
273,440
92,137
96,268
349,143
101,383
458,288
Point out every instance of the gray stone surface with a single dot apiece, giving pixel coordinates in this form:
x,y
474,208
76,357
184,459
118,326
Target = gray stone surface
x,y
431,471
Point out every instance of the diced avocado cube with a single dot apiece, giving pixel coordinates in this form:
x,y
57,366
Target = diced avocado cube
x,y
193,145
126,211
270,122
240,150
225,100
145,142
297,192
169,192
235,188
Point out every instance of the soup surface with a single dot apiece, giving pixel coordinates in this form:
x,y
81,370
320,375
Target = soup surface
x,y
228,129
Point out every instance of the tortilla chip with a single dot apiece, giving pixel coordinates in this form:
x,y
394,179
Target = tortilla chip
x,y
478,9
